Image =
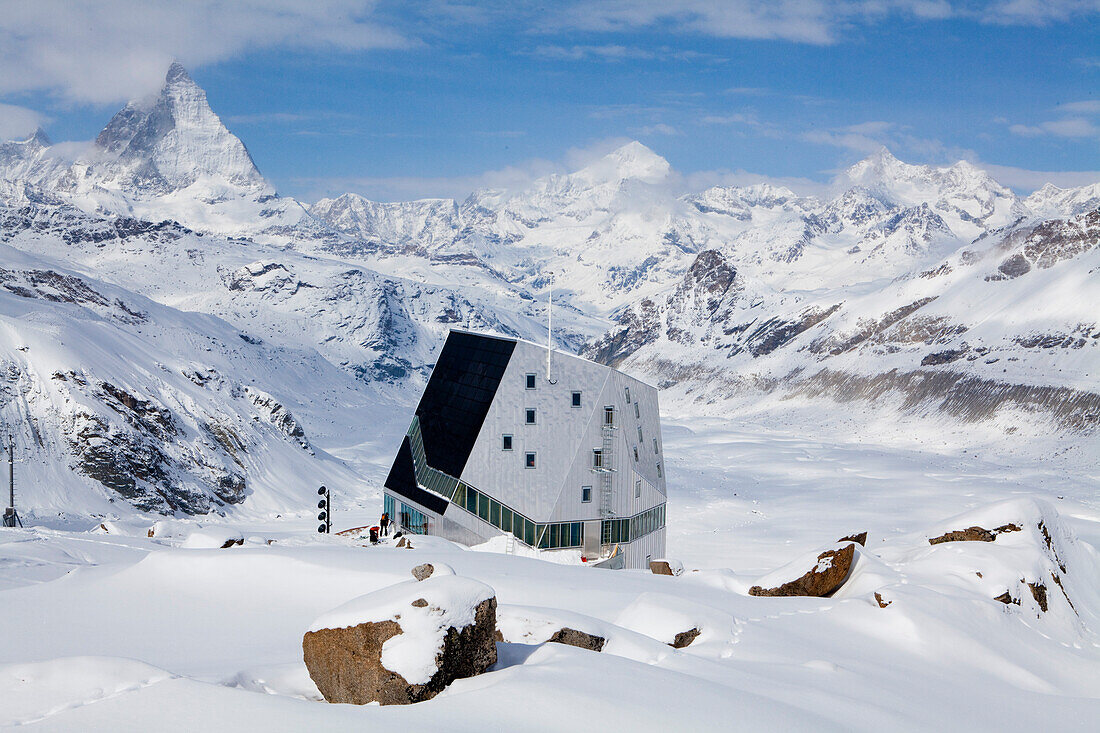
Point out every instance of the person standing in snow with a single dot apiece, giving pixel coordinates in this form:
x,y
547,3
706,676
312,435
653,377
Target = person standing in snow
x,y
384,523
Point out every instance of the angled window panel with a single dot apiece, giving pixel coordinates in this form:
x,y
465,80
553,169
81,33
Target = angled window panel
x,y
457,397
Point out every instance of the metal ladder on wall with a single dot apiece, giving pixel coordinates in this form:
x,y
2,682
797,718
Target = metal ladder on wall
x,y
607,470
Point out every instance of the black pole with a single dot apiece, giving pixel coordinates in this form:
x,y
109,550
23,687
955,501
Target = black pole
x,y
11,517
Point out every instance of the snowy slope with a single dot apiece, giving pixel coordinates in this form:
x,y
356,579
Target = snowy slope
x,y
116,399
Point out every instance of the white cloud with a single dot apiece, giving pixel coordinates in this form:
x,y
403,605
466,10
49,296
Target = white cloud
x,y
1071,127
1036,12
1088,106
1025,180
701,180
658,129
17,123
104,51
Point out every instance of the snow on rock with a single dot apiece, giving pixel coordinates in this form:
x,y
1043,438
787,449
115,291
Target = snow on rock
x,y
828,569
665,566
404,643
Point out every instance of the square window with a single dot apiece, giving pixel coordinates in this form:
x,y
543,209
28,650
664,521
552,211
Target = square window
x,y
637,489
506,442
576,399
529,381
586,494
529,460
529,415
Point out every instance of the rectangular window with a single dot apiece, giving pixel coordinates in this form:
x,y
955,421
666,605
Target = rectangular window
x,y
658,469
460,495
506,519
576,530
586,494
506,442
655,448
637,489
494,513
483,507
597,458
529,415
529,532
471,500
637,412
576,399
608,416
640,438
529,381
635,454
529,460
628,394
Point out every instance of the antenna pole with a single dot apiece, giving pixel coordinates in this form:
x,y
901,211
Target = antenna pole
x,y
549,327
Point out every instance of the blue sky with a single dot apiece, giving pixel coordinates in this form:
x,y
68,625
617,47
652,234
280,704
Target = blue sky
x,y
403,100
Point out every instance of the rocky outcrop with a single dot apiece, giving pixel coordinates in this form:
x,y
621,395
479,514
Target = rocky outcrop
x,y
821,580
581,639
974,534
350,664
663,566
860,539
684,638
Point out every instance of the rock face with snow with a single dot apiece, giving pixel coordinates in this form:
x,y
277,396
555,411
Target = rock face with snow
x,y
823,579
174,140
403,644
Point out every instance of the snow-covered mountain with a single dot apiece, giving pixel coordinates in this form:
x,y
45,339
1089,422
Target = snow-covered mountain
x,y
910,288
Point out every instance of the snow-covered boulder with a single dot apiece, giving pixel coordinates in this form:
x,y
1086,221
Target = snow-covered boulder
x,y
665,566
828,571
405,643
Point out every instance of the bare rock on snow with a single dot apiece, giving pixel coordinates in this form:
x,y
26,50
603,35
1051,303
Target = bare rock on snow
x,y
821,580
424,571
664,566
974,534
860,539
386,648
684,638
970,534
882,603
576,638
232,541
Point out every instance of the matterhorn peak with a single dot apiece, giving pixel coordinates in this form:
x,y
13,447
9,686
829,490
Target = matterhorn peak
x,y
173,139
177,75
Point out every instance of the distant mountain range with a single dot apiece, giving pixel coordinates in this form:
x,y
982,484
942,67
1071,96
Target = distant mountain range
x,y
200,313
